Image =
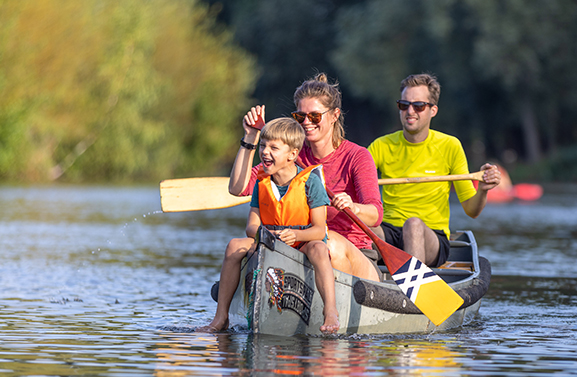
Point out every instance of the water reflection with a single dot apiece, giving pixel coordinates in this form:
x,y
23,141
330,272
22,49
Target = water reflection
x,y
97,281
267,355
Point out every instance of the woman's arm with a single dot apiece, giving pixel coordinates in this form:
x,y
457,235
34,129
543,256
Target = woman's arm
x,y
368,213
240,174
367,204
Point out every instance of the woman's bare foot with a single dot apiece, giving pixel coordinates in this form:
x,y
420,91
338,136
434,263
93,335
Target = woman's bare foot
x,y
331,324
214,326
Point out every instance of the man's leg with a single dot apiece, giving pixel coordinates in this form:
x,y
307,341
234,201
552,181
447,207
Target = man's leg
x,y
420,241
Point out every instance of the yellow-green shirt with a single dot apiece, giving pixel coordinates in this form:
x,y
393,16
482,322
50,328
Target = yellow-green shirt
x,y
439,154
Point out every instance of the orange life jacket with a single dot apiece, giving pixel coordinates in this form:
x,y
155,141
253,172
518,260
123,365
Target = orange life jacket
x,y
290,211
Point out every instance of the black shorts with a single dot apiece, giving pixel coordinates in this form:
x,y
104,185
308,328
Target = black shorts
x,y
394,236
373,256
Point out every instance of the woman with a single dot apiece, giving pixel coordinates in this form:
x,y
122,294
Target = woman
x,y
348,168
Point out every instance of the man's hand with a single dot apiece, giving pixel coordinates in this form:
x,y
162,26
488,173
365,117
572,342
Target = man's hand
x,y
491,177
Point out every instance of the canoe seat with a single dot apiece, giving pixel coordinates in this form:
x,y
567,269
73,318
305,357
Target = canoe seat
x,y
447,269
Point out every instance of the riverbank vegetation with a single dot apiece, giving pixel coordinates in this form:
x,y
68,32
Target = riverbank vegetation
x,y
104,90
134,90
506,68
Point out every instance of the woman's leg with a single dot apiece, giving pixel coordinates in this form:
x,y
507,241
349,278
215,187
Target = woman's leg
x,y
347,258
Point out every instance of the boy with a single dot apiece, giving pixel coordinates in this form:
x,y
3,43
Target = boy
x,y
280,193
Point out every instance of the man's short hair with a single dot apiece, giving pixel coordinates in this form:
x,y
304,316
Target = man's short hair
x,y
287,130
426,79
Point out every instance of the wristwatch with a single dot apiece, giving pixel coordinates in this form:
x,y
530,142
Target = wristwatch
x,y
246,145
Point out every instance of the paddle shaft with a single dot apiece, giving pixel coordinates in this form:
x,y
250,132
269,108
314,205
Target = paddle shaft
x,y
391,254
197,194
478,176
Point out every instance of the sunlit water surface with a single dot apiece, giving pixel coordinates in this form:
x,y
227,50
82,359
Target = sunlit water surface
x,y
98,281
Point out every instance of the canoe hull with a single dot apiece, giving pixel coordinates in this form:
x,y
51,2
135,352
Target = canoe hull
x,y
277,295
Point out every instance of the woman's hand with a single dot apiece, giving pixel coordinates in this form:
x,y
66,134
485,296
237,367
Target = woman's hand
x,y
343,200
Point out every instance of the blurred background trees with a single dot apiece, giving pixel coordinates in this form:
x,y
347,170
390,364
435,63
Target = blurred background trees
x,y
506,68
98,90
142,90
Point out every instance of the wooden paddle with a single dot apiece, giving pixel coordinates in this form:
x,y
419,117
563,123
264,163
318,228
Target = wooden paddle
x,y
431,294
478,176
196,194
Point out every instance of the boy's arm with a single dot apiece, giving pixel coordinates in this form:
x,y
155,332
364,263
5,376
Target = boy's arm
x,y
317,231
241,174
253,222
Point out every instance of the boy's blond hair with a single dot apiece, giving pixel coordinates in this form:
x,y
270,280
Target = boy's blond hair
x,y
287,130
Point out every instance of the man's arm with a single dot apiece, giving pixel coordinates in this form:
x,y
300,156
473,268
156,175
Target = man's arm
x,y
491,178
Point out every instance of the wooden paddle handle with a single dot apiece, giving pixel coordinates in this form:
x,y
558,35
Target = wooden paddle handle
x,y
478,176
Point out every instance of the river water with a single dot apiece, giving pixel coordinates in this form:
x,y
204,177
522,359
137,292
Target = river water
x,y
98,281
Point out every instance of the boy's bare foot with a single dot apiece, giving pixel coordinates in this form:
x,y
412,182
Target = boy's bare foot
x,y
214,326
331,324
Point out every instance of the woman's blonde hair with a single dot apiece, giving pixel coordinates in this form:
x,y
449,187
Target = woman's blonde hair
x,y
329,95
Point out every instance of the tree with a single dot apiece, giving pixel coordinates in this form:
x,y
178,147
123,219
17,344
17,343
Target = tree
x,y
107,90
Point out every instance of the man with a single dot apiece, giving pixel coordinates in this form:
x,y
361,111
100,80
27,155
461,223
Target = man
x,y
416,216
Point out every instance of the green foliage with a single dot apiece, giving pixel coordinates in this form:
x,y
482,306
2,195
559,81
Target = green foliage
x,y
506,66
108,90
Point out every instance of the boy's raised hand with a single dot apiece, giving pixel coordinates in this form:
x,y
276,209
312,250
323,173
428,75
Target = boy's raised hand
x,y
254,119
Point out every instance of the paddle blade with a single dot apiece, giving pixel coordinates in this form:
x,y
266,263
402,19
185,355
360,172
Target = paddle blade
x,y
197,194
431,294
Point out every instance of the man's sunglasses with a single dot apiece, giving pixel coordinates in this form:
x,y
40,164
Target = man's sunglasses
x,y
314,117
419,106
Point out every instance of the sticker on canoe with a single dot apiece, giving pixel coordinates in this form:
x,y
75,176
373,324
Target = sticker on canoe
x,y
288,291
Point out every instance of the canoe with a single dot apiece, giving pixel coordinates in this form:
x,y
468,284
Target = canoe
x,y
277,293
522,191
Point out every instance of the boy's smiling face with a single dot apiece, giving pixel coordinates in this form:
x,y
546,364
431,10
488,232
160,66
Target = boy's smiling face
x,y
276,155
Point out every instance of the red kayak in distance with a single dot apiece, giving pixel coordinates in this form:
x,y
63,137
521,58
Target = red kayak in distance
x,y
506,191
522,191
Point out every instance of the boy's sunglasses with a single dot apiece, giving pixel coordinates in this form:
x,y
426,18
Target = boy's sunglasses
x,y
314,117
419,106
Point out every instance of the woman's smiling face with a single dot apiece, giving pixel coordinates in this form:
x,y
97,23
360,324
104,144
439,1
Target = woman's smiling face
x,y
317,131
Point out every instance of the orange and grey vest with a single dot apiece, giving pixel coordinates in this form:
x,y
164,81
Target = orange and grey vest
x,y
290,211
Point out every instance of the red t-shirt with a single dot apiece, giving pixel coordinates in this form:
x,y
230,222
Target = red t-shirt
x,y
349,169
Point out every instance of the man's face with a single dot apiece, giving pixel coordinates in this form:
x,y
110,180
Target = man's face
x,y
416,124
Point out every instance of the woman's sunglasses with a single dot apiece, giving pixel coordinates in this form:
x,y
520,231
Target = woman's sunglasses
x,y
419,106
314,117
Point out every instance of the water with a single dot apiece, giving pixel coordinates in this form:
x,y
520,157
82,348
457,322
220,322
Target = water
x,y
97,281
